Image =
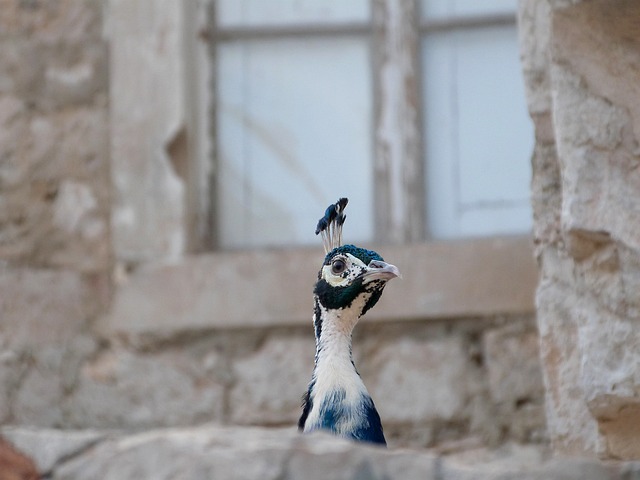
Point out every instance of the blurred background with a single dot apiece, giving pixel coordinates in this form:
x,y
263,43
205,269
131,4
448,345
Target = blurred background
x,y
163,165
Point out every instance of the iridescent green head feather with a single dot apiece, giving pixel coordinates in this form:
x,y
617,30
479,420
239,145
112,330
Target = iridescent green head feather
x,y
362,253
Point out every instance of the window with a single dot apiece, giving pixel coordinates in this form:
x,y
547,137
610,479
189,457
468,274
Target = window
x,y
478,137
294,119
306,112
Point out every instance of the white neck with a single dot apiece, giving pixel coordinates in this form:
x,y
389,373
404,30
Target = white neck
x,y
333,348
335,337
334,369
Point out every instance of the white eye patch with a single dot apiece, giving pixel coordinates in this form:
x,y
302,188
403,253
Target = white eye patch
x,y
353,268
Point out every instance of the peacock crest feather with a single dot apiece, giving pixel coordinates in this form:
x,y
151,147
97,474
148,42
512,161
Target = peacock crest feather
x,y
330,225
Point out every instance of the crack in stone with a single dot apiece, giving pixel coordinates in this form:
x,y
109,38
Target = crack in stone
x,y
69,457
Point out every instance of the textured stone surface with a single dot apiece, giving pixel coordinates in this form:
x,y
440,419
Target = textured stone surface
x,y
148,216
428,381
431,382
54,172
581,68
44,337
421,380
51,22
269,384
571,427
50,447
47,307
511,355
247,453
87,150
425,385
127,390
512,361
54,203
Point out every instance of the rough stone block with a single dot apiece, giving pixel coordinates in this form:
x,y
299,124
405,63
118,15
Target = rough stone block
x,y
417,380
609,374
41,393
513,363
55,77
269,383
13,130
581,68
571,427
46,316
620,430
47,307
514,374
119,388
56,211
217,452
533,33
47,376
546,194
609,378
507,469
12,370
75,75
22,71
51,447
597,116
247,453
52,22
54,150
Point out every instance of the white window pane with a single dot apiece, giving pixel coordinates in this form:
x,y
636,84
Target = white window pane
x,y
478,136
441,9
294,130
286,12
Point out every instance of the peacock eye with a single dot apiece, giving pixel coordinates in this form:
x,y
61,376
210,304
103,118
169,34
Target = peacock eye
x,y
338,266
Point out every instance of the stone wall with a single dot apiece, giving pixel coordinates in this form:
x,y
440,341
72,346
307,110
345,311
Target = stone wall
x,y
433,383
55,157
582,67
55,248
107,323
99,331
222,452
444,383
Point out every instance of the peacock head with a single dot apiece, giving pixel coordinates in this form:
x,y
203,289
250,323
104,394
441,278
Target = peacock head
x,y
350,277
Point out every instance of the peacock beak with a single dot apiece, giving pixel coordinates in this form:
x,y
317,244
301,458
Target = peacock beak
x,y
379,270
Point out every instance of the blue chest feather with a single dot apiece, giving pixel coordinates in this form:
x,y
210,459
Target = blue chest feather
x,y
358,421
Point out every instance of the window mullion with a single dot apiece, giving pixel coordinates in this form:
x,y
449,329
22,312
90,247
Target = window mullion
x,y
399,184
199,64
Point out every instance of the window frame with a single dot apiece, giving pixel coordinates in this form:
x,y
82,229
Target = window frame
x,y
491,276
399,165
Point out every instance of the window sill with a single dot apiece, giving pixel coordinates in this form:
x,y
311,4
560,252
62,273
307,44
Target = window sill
x,y
259,288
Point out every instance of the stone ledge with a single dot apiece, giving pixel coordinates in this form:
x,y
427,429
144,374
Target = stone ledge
x,y
246,453
477,277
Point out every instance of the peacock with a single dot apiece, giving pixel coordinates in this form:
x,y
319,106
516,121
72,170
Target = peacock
x,y
349,284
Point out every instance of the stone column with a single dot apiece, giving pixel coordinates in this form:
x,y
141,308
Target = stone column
x,y
582,70
149,156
